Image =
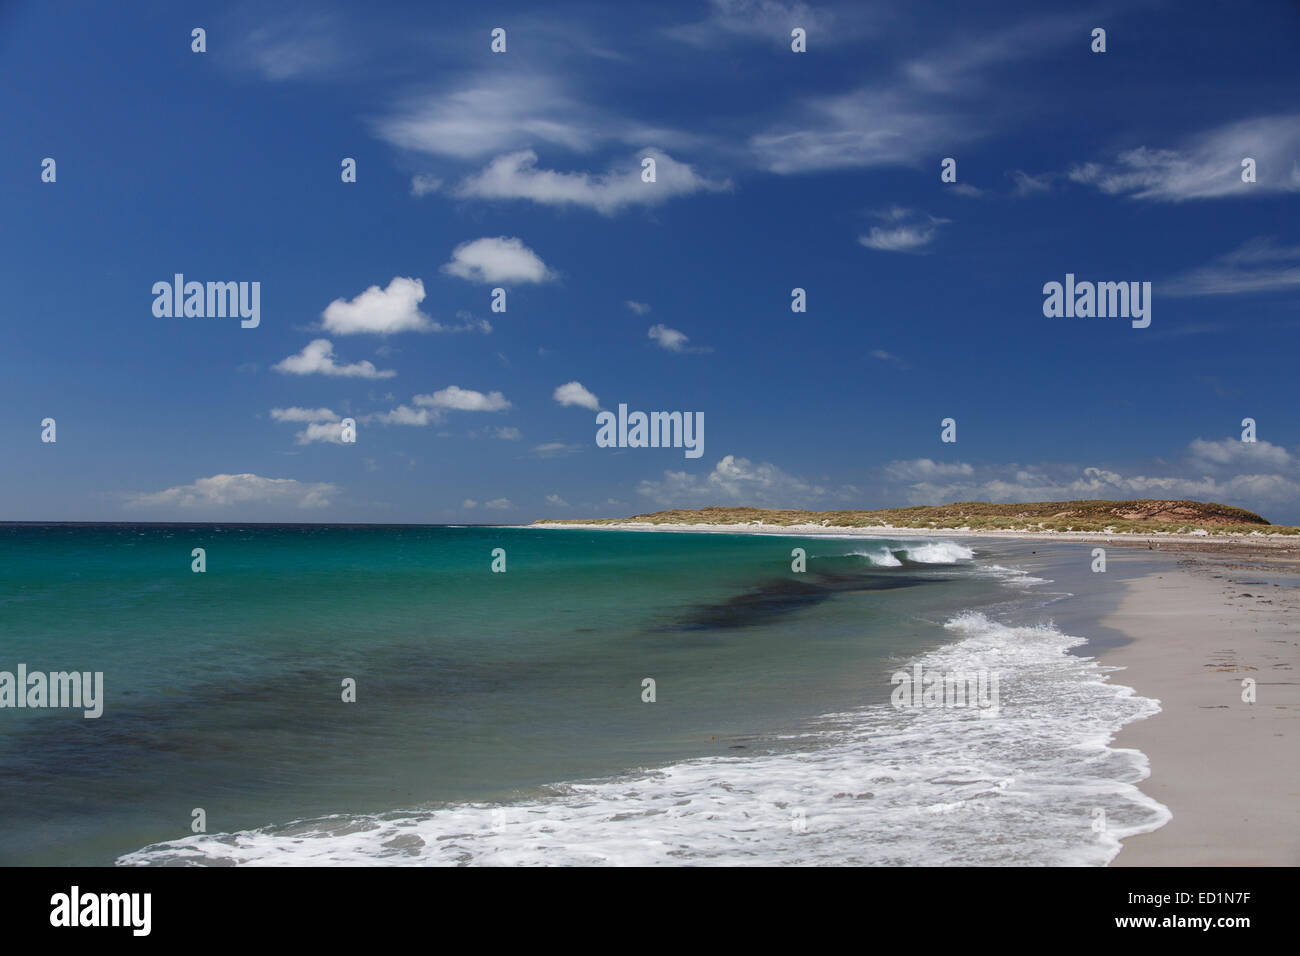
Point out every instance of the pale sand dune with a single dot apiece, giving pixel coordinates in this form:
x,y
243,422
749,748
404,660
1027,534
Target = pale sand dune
x,y
1229,771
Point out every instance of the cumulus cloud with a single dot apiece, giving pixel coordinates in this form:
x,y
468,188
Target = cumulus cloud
x,y
380,311
1259,476
464,400
497,259
317,358
498,504
224,491
405,415
640,308
320,431
469,504
573,393
1234,453
732,481
557,501
516,176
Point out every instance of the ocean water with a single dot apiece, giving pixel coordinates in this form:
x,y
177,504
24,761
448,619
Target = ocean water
x,y
499,717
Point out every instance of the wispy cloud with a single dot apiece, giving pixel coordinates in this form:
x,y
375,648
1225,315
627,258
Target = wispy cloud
x,y
929,106
1259,265
303,415
225,491
1206,166
673,340
910,232
296,47
422,184
516,176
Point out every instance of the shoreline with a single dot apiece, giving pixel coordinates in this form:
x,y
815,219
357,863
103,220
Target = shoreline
x,y
1223,609
1225,768
1287,547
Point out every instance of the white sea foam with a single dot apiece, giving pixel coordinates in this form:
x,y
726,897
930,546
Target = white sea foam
x,y
874,786
929,552
1014,575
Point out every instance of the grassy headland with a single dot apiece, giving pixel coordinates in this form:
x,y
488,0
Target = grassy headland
x,y
1138,516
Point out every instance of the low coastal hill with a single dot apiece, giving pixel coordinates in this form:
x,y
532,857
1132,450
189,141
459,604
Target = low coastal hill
x,y
1135,516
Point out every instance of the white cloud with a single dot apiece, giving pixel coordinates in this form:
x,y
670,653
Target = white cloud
x,y
924,469
320,431
1261,477
553,449
1206,166
933,104
1027,185
380,311
888,357
515,176
907,236
673,340
1232,452
295,47
498,504
640,308
303,415
497,259
732,481
507,433
317,358
770,20
1258,266
422,184
405,415
900,239
463,399
223,491
557,501
491,113
573,393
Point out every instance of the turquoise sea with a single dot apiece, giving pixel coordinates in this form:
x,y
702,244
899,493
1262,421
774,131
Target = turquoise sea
x,y
499,717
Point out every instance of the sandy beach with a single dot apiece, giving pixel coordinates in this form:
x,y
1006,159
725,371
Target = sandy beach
x,y
1228,770
1223,610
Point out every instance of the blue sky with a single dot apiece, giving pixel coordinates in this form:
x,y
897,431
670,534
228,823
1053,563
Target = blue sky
x,y
522,170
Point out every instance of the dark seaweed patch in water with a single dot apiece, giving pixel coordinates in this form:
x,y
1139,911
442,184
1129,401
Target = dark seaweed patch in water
x,y
783,596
